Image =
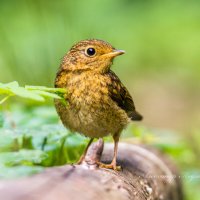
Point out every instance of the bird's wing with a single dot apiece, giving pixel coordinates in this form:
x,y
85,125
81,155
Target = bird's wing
x,y
121,96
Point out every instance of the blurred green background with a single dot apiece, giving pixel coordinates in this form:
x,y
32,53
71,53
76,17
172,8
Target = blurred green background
x,y
161,67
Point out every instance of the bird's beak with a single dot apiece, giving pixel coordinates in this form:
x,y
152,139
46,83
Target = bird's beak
x,y
115,53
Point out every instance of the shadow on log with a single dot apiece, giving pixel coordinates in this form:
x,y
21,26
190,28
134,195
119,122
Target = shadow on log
x,y
145,175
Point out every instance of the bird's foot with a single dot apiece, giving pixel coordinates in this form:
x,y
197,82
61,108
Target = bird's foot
x,y
92,154
109,166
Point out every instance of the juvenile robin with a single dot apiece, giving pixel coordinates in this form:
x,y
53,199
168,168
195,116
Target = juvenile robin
x,y
98,103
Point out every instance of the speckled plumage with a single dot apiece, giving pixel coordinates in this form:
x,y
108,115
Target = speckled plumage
x,y
98,103
90,110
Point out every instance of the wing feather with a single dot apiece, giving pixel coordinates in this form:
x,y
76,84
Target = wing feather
x,y
121,96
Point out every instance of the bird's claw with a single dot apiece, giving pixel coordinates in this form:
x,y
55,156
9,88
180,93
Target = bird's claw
x,y
109,166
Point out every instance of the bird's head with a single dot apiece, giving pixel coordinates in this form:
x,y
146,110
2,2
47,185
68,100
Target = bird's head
x,y
96,55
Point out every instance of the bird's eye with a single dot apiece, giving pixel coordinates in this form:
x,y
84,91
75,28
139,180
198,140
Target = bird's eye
x,y
90,52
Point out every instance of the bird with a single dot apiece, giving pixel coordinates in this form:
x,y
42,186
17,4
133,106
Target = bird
x,y
98,104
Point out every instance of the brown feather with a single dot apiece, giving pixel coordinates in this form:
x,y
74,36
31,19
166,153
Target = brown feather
x,y
121,96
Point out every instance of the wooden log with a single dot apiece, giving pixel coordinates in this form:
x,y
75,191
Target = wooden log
x,y
145,175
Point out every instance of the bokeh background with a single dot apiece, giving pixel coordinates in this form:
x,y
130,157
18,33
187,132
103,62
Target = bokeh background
x,y
161,67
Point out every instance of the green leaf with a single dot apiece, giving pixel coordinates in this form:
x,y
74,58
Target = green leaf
x,y
28,157
36,93
8,85
22,92
46,94
43,88
5,88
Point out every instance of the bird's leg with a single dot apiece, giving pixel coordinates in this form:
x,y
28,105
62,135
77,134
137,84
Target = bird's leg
x,y
113,164
85,151
116,141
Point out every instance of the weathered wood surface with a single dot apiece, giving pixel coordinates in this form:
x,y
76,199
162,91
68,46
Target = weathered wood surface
x,y
145,175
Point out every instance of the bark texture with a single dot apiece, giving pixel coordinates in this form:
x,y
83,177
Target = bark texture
x,y
145,175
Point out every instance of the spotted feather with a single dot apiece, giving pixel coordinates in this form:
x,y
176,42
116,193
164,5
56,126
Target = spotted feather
x,y
121,96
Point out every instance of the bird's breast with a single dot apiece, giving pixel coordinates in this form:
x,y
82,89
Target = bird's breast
x,y
86,90
90,110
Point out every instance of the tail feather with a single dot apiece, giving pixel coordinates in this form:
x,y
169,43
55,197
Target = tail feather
x,y
135,116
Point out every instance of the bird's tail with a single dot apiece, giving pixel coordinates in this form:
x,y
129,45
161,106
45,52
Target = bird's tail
x,y
135,116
